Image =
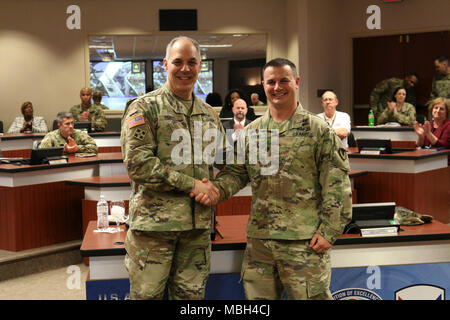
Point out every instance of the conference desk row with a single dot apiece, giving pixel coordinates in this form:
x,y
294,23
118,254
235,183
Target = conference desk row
x,y
20,144
417,260
38,207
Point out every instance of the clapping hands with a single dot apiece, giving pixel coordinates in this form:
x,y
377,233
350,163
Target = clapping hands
x,y
205,192
422,130
85,116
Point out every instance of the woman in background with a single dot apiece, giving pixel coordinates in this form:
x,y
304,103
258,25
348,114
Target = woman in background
x,y
398,110
435,133
231,97
27,122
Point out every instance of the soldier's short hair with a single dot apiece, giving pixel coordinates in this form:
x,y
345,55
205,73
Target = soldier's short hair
x,y
63,114
172,42
441,59
97,96
280,62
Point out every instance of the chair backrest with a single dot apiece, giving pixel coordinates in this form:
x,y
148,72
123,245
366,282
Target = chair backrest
x,y
351,141
1,126
55,124
114,124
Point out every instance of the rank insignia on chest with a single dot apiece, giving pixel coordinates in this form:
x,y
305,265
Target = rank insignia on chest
x,y
136,121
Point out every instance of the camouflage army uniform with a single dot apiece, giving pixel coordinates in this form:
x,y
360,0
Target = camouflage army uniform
x,y
85,142
383,92
310,193
98,118
101,106
440,87
161,212
406,116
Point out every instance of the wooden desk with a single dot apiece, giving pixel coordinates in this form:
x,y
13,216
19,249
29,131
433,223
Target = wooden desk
x,y
20,144
429,243
37,207
401,137
418,180
117,187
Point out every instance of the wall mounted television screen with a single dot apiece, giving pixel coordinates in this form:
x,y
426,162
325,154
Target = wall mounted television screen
x,y
118,81
205,81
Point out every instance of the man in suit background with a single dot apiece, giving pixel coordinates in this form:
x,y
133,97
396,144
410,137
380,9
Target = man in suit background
x,y
234,127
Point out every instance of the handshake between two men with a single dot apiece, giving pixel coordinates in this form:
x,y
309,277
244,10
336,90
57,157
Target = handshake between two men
x,y
205,192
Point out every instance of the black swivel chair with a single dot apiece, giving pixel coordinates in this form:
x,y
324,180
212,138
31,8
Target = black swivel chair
x,y
1,126
351,141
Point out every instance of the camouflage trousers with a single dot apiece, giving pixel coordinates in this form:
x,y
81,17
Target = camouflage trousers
x,y
273,267
178,259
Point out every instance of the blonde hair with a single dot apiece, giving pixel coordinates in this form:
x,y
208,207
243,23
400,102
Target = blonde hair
x,y
438,101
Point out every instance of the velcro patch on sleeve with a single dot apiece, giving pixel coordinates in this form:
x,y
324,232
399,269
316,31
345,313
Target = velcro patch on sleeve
x,y
136,121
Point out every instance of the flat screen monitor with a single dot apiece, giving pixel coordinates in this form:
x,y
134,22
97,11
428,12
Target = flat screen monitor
x,y
203,86
373,211
38,156
384,146
83,125
118,81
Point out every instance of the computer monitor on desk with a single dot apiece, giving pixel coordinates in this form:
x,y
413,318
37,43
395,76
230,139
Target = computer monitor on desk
x,y
371,215
374,146
40,156
83,125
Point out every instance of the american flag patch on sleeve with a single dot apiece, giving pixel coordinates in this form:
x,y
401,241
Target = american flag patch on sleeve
x,y
136,121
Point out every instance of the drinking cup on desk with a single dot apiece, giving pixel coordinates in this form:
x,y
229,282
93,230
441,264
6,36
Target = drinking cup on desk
x,y
118,211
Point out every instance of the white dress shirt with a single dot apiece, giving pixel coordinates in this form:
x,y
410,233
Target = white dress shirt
x,y
340,120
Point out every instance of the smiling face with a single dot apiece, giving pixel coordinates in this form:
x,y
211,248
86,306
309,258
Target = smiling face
x,y
400,96
439,111
182,65
280,86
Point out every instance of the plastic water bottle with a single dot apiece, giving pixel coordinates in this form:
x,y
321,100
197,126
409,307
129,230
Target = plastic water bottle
x,y
102,214
371,118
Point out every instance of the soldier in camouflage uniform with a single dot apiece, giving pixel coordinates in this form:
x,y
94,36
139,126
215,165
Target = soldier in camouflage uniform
x,y
441,81
168,242
97,98
398,110
384,90
298,211
85,111
73,140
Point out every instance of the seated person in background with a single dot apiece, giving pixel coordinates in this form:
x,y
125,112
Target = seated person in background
x,y
85,111
214,99
440,86
339,121
384,90
97,98
28,122
435,133
255,100
398,110
239,121
231,97
73,140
